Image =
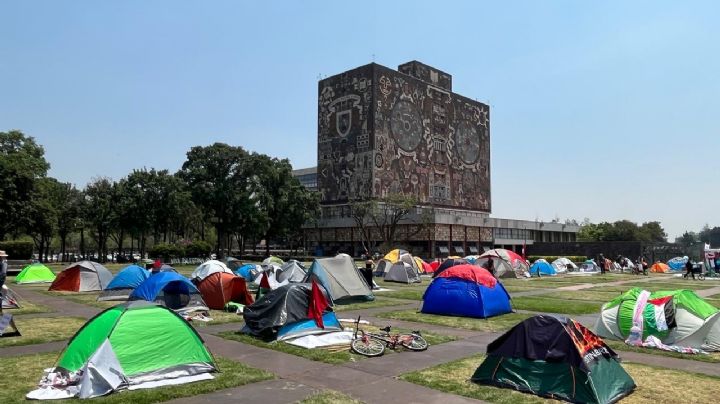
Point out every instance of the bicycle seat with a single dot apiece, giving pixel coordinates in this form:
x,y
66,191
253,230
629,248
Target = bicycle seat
x,y
386,329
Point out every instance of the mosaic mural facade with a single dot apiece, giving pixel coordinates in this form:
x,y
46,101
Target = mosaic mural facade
x,y
382,131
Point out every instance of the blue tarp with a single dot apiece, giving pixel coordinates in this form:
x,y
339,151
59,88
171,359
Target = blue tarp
x,y
464,298
677,263
169,282
129,277
244,271
543,267
308,327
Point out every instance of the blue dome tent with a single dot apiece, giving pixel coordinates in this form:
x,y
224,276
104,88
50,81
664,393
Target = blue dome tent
x,y
466,291
172,290
124,283
542,267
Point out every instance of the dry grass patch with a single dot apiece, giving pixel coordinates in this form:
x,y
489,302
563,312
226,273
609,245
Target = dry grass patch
x,y
39,330
492,324
655,385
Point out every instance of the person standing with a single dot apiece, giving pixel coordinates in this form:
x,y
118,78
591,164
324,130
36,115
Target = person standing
x,y
689,268
3,268
368,272
601,263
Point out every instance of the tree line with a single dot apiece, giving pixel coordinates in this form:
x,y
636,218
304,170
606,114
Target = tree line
x,y
621,230
223,196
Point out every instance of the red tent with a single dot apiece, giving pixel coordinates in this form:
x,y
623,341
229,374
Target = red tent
x,y
434,266
83,276
221,287
470,273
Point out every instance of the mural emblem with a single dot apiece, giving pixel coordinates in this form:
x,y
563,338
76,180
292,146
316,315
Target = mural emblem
x,y
406,125
343,109
385,85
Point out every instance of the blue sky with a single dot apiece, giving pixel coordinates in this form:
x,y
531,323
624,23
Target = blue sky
x,y
606,110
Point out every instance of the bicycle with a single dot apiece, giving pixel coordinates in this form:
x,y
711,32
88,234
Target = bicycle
x,y
373,344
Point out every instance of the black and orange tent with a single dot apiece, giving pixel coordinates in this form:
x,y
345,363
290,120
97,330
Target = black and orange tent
x,y
220,288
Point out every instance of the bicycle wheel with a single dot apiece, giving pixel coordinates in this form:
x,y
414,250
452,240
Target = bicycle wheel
x,y
414,342
367,346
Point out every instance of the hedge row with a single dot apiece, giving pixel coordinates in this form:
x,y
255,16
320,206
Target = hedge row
x,y
196,249
551,258
17,250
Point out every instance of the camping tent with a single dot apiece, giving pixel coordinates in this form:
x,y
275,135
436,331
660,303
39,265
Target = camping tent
x,y
273,260
434,265
132,345
659,267
220,288
233,263
208,268
563,264
35,273
401,272
677,263
589,266
283,314
448,263
467,291
506,264
423,266
687,320
10,300
394,256
557,358
340,278
124,282
172,290
471,258
291,271
541,267
83,276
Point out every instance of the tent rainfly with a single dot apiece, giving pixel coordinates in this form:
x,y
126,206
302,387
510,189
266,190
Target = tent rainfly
x,y
340,278
83,276
35,273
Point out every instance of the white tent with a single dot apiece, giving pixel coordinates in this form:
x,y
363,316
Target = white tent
x,y
563,265
208,268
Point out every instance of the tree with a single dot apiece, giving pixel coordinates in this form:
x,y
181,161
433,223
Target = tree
x,y
68,211
652,232
710,236
283,203
42,214
384,215
22,164
218,177
100,211
688,239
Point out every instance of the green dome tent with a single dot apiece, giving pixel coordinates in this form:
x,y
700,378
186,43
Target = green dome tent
x,y
555,357
678,317
132,345
35,273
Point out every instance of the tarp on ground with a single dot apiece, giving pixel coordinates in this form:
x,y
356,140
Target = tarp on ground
x,y
504,263
287,306
124,283
466,291
35,273
130,345
170,289
208,268
83,276
339,276
677,317
555,357
221,288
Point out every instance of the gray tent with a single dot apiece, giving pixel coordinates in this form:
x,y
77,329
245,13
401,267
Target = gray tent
x,y
340,278
292,271
401,272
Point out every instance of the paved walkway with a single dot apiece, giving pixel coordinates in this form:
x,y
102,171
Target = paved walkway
x,y
369,380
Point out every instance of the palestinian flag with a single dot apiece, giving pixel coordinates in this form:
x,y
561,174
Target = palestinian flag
x,y
264,286
659,315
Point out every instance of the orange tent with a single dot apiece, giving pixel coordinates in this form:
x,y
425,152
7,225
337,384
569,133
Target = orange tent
x,y
659,267
221,287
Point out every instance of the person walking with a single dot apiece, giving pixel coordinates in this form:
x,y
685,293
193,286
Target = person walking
x,y
601,263
689,268
3,268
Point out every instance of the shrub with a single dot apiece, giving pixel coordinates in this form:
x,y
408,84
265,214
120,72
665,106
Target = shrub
x,y
198,249
17,250
166,251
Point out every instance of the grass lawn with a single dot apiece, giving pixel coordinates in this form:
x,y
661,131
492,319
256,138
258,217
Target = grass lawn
x,y
27,307
561,306
329,397
322,355
13,389
39,330
86,298
619,346
492,324
653,286
593,295
406,293
655,385
380,301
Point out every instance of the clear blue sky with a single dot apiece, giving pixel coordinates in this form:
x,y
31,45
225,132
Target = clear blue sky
x,y
606,110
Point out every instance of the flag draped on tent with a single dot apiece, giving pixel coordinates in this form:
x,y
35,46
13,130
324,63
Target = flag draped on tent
x,y
317,306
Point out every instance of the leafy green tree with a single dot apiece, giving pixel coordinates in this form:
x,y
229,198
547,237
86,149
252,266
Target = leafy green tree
x,y
688,239
219,179
100,212
68,206
42,214
710,235
22,164
651,232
